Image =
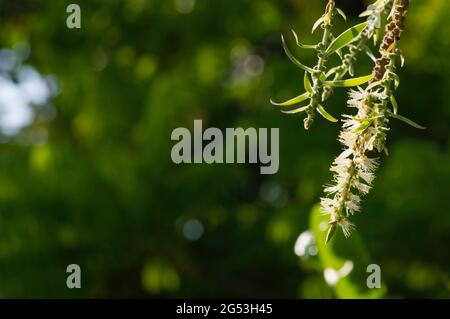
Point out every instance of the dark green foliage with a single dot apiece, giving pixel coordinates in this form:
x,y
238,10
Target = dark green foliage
x,y
103,192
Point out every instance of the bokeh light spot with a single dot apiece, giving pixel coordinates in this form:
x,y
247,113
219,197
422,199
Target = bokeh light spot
x,y
193,229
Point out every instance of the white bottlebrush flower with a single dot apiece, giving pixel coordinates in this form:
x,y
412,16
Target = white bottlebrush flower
x,y
346,226
373,14
361,187
353,169
356,97
368,164
366,131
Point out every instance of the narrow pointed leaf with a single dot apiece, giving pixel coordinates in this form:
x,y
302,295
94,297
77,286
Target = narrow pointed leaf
x,y
396,81
339,53
365,13
376,36
318,22
292,101
293,59
363,126
329,73
402,60
325,114
330,233
346,37
341,13
408,121
301,45
351,70
349,82
300,109
373,84
369,53
394,104
307,84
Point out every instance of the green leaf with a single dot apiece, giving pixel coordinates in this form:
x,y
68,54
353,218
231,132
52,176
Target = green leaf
x,y
394,104
293,59
339,53
330,233
349,82
342,252
300,109
369,53
376,36
325,114
341,13
351,70
346,37
396,80
303,46
317,23
292,101
365,13
373,84
363,126
407,121
307,84
402,60
329,73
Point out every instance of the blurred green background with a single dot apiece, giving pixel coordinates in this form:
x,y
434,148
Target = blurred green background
x,y
86,175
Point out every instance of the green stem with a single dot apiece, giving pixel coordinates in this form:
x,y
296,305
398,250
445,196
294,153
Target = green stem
x,y
320,66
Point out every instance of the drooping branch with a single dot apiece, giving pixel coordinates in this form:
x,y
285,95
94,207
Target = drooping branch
x,y
365,132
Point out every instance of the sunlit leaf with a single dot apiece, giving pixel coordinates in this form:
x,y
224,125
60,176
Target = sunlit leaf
x,y
365,13
329,73
346,258
339,53
331,232
363,126
341,13
369,53
292,101
307,84
394,104
346,37
396,80
349,82
300,109
317,23
351,70
373,84
402,60
303,46
325,114
293,59
407,121
376,36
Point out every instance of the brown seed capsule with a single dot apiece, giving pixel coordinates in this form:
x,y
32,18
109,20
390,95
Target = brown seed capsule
x,y
390,26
